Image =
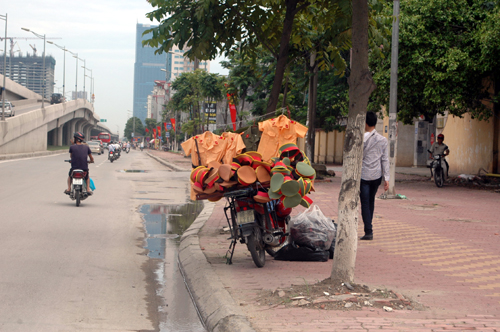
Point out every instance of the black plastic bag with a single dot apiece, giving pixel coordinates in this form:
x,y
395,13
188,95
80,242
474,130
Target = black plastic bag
x,y
291,252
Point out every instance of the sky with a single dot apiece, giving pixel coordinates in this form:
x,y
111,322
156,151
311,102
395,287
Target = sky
x,y
101,32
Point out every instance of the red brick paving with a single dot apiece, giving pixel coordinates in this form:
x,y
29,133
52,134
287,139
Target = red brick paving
x,y
439,247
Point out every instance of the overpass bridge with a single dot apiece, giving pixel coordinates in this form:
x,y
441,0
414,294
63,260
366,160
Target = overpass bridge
x,y
33,128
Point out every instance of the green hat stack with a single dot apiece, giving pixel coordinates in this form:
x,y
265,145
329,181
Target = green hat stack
x,y
291,177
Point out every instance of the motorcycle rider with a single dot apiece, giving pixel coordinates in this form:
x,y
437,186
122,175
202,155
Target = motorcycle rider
x,y
78,153
439,148
128,147
142,145
117,149
111,148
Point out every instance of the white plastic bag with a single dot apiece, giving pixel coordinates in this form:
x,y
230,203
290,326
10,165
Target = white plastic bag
x,y
312,229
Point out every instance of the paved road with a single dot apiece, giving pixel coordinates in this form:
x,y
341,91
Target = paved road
x,y
66,268
28,108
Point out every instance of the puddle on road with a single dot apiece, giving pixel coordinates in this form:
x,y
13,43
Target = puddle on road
x,y
164,221
164,224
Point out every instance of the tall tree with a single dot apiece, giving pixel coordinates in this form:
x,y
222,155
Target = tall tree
x,y
360,87
448,58
242,25
129,126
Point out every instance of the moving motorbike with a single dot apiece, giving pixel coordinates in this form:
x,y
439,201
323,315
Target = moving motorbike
x,y
78,191
112,156
438,169
255,224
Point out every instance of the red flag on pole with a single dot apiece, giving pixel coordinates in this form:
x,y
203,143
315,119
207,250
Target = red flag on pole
x,y
159,130
232,109
165,126
172,120
154,133
147,130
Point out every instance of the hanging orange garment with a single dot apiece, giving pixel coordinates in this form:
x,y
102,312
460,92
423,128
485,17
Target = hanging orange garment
x,y
276,132
211,148
234,146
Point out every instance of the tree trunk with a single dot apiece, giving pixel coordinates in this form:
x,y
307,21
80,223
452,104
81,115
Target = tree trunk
x,y
242,109
283,104
291,10
311,108
360,88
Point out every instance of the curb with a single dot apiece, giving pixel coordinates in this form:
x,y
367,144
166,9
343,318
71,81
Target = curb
x,y
31,154
168,164
215,305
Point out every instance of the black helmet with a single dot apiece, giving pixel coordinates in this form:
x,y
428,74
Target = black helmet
x,y
79,136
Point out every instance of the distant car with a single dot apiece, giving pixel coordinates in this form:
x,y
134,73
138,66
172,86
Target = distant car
x,y
100,144
95,147
104,145
8,108
56,98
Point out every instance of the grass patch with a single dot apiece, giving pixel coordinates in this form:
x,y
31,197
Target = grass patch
x,y
57,148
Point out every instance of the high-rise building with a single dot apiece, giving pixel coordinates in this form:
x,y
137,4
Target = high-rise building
x,y
28,72
178,64
147,70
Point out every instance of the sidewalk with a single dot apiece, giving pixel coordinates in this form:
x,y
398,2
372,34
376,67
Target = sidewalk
x,y
440,247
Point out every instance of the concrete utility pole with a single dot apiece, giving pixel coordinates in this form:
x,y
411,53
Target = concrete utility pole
x,y
393,101
4,17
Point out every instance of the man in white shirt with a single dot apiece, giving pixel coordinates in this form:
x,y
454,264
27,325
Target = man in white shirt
x,y
375,164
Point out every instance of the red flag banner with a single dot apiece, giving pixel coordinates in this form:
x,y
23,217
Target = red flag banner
x,y
147,130
172,120
154,133
158,128
232,109
165,126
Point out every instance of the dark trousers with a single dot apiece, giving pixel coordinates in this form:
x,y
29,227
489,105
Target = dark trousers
x,y
367,193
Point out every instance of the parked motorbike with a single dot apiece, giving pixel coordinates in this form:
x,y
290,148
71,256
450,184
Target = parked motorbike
x,y
78,191
438,169
112,156
255,224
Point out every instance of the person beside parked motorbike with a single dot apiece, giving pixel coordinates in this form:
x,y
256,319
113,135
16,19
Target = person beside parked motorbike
x,y
78,153
439,148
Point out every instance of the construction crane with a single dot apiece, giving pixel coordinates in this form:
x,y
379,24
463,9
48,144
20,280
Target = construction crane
x,y
34,49
25,38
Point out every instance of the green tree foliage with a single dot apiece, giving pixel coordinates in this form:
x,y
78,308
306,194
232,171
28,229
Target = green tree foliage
x,y
191,90
448,57
150,125
240,25
139,127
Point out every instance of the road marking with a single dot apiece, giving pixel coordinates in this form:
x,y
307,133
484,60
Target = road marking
x,y
102,163
30,158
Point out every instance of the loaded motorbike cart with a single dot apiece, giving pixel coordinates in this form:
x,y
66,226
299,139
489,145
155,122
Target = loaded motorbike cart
x,y
255,224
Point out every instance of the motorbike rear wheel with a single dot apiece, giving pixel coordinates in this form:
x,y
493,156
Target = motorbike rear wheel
x,y
439,177
256,247
77,197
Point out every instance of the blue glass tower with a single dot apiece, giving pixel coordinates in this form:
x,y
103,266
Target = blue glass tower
x,y
147,69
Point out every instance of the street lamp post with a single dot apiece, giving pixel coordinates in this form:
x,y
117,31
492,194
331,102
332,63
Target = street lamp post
x,y
43,63
64,65
83,78
75,55
4,17
91,81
